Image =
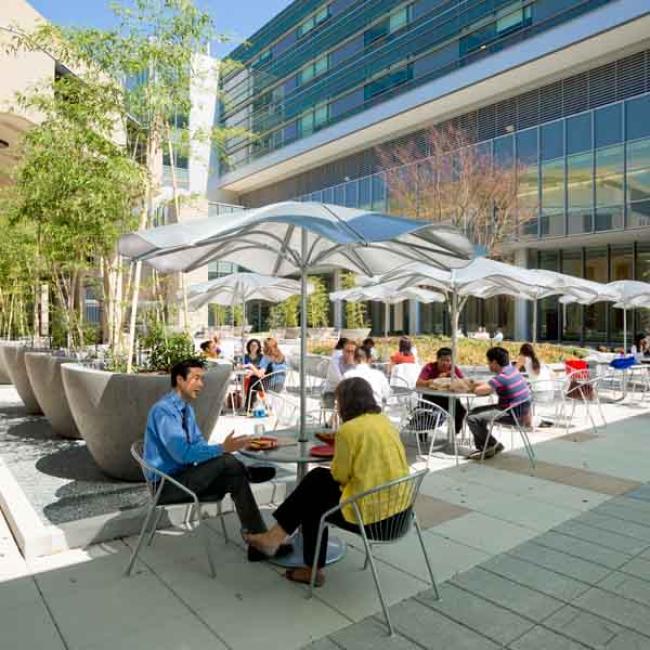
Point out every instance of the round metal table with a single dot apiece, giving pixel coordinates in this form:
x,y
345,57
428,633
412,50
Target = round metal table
x,y
298,453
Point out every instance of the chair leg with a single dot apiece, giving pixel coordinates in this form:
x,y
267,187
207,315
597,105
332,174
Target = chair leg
x,y
375,577
314,566
205,533
434,585
154,528
138,546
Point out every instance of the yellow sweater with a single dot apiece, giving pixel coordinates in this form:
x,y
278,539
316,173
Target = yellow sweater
x,y
368,453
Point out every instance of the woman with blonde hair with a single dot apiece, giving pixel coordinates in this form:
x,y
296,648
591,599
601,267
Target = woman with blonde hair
x,y
272,370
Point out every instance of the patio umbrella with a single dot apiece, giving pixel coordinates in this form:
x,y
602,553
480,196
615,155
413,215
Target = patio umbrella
x,y
293,237
389,293
627,294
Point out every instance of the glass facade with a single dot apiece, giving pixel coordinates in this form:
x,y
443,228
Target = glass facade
x,y
321,61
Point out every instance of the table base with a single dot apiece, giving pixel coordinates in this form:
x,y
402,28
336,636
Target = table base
x,y
335,551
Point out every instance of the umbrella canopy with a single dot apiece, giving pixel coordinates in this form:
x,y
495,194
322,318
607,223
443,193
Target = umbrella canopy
x,y
240,288
389,293
285,238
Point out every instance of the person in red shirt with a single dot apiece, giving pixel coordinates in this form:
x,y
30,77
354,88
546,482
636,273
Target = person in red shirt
x,y
404,353
441,367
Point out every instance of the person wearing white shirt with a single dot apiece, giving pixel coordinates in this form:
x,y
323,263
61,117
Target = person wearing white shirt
x,y
376,378
337,368
498,337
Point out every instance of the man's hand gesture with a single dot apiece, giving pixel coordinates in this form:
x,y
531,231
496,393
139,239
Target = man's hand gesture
x,y
234,443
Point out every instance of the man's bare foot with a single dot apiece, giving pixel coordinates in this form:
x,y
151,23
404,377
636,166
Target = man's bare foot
x,y
303,574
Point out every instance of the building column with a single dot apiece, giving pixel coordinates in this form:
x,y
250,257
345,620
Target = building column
x,y
414,317
522,321
338,304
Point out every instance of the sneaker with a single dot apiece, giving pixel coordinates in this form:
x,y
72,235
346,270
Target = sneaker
x,y
489,452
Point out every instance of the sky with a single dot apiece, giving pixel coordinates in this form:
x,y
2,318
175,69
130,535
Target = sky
x,y
237,18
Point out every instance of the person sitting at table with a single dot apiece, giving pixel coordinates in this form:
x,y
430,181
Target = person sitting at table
x,y
441,367
640,349
511,388
174,444
498,336
540,378
337,352
210,350
335,371
404,353
271,371
253,354
369,346
376,378
368,452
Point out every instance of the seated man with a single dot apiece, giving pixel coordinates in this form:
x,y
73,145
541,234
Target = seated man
x,y
511,388
337,368
174,444
441,367
376,378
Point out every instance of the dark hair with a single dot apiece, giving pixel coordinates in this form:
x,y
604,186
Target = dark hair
x,y
355,397
205,346
259,347
362,354
405,345
443,352
368,343
340,344
500,355
182,369
527,350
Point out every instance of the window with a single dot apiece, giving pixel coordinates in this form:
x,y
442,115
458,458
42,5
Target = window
x,y
513,17
608,125
596,314
572,313
609,176
379,192
388,81
578,133
527,153
313,69
477,39
398,19
552,222
377,31
313,21
313,119
263,57
552,140
638,170
528,200
503,151
580,192
637,112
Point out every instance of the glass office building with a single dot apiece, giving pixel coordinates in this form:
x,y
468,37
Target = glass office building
x,y
580,138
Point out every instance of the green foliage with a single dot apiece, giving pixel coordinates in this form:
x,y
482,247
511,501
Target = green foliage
x,y
318,303
167,349
223,315
291,308
355,312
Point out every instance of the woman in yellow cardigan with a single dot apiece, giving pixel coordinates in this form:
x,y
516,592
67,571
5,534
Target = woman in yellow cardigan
x,y
368,453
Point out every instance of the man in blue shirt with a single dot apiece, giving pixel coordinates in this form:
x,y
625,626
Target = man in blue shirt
x,y
174,444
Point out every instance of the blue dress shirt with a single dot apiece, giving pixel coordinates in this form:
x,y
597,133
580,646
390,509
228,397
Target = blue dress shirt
x,y
168,445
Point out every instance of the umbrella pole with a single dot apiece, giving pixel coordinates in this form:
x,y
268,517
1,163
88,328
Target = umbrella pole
x,y
451,434
302,437
624,331
386,318
535,320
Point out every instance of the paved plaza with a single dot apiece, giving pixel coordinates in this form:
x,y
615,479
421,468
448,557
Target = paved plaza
x,y
555,558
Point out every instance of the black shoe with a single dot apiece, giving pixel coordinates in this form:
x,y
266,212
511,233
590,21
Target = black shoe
x,y
260,473
255,555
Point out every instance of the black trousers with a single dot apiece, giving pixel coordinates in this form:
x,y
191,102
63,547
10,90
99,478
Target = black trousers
x,y
211,481
444,403
317,493
478,421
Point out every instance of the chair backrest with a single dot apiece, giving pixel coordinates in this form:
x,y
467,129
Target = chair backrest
x,y
386,511
406,371
575,366
426,417
285,411
274,381
148,471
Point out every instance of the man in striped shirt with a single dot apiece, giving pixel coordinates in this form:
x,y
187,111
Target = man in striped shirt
x,y
511,389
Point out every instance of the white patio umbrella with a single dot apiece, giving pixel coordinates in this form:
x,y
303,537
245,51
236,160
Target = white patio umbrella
x,y
627,294
389,293
293,237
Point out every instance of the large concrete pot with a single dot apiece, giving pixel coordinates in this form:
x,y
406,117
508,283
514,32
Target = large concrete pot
x,y
44,371
14,359
110,410
4,373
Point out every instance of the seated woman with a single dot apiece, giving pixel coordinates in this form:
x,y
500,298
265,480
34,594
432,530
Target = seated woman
x,y
253,354
210,350
540,377
272,366
405,352
368,453
369,346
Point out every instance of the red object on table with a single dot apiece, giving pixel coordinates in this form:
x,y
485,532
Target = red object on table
x,y
322,451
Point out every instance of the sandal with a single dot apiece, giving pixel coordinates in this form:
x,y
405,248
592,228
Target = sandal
x,y
303,575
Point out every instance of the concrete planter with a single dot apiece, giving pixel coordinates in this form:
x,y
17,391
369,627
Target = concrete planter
x,y
44,371
110,410
4,373
355,334
14,360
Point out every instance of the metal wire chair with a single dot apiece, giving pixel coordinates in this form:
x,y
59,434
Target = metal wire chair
x,y
513,417
384,515
585,391
285,410
154,511
274,381
425,422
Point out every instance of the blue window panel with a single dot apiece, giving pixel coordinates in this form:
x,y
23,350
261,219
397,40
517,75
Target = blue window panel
x,y
637,117
346,51
339,6
290,132
339,194
552,140
388,81
527,148
328,195
608,125
284,43
379,192
609,218
421,7
351,198
478,39
378,31
578,134
347,103
365,193
504,151
445,56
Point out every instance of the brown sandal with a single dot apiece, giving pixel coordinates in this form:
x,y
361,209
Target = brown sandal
x,y
303,575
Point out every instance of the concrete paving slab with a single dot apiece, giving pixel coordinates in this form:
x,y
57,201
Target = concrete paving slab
x,y
616,525
628,586
484,533
528,603
591,551
430,629
628,640
610,540
562,563
583,627
541,638
370,634
431,511
638,567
